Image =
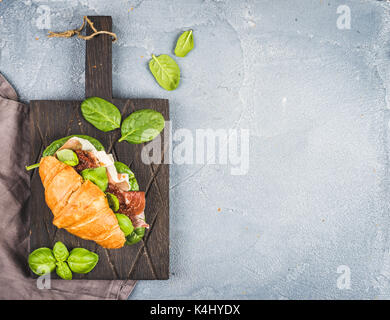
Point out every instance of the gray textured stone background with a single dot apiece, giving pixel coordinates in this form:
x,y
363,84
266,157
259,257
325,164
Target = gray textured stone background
x,y
315,99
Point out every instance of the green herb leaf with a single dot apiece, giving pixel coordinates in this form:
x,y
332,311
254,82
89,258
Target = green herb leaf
x,y
96,175
82,260
60,251
122,168
166,71
135,236
184,44
101,114
113,201
142,126
42,261
63,270
55,145
125,224
68,157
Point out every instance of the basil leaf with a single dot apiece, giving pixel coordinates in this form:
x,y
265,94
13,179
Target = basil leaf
x,y
68,157
55,145
184,44
63,270
113,201
42,261
96,175
101,114
124,223
142,126
122,168
82,260
60,251
166,71
135,236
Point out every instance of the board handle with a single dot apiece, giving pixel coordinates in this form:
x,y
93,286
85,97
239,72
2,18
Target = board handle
x,y
98,60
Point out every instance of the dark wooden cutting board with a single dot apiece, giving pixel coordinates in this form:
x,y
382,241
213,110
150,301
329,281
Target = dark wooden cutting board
x,y
51,120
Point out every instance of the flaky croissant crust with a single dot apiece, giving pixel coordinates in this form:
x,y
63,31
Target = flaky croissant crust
x,y
79,206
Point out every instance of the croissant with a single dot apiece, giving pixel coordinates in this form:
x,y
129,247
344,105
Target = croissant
x,y
79,206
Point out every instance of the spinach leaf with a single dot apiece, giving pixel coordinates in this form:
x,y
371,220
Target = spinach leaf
x,y
68,157
122,168
82,260
142,126
55,145
101,114
124,223
96,175
60,251
166,71
135,236
184,44
42,261
113,201
63,270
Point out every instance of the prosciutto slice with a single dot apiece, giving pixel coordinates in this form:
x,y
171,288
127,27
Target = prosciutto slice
x,y
131,203
72,144
139,221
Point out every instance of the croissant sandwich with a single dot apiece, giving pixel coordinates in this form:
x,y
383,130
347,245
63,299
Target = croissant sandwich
x,y
91,195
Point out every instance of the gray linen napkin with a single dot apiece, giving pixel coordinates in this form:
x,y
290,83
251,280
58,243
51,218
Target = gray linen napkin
x,y
15,282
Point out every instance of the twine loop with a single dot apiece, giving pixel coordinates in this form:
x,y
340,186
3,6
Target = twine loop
x,y
71,33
